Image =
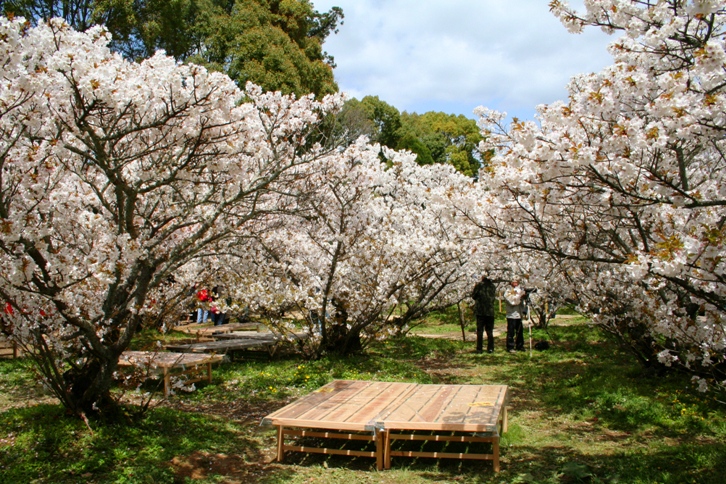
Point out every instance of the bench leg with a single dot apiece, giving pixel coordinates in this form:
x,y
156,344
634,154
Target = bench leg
x,y
280,444
167,382
387,449
495,453
380,449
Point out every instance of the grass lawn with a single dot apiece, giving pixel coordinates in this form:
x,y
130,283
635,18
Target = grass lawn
x,y
582,411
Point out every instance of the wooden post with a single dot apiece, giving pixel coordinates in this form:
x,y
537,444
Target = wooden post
x,y
380,450
461,322
167,382
495,453
387,449
280,443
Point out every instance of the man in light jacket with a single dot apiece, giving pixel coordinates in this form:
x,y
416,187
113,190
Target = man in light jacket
x,y
515,308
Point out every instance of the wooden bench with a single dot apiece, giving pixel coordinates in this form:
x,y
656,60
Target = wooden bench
x,y
385,412
196,367
8,348
205,331
233,341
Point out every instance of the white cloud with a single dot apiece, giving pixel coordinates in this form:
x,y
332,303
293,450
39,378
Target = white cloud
x,y
452,56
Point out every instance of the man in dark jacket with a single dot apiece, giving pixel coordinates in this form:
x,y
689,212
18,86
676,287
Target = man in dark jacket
x,y
484,296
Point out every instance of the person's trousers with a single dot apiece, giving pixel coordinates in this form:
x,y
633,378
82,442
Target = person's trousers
x,y
484,323
202,315
515,334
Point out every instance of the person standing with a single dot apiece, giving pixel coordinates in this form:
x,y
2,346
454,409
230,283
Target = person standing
x,y
515,308
203,297
484,295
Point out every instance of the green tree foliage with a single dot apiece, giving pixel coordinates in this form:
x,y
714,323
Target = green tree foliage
x,y
435,137
450,139
276,44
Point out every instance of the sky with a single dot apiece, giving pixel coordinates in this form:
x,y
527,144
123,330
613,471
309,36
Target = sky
x,y
455,55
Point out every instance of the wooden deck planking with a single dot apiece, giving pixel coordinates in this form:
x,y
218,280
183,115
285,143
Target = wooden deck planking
x,y
410,405
382,408
333,404
221,346
231,341
163,359
368,403
203,329
393,405
467,410
170,364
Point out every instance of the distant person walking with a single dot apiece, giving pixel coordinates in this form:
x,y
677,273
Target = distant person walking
x,y
484,295
516,310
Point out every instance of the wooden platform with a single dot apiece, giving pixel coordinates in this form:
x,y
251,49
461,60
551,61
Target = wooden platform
x,y
231,341
8,348
197,367
203,330
384,412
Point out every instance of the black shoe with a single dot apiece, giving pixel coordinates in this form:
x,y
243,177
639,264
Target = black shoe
x,y
490,351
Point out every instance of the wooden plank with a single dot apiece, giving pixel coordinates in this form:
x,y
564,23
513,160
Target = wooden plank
x,y
409,404
220,346
441,455
163,359
480,415
398,406
8,348
198,367
266,335
432,409
441,438
326,450
280,443
315,409
235,340
469,406
203,329
389,394
365,405
328,435
351,405
295,411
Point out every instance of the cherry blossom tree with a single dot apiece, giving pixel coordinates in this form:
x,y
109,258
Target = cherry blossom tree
x,y
115,176
619,193
367,249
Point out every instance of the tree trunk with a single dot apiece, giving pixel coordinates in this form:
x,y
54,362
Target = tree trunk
x,y
462,323
83,387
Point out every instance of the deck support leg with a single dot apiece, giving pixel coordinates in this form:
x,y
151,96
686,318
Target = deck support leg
x,y
380,449
280,443
495,453
167,382
387,449
209,372
505,420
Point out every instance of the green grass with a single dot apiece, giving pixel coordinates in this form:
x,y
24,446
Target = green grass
x,y
582,411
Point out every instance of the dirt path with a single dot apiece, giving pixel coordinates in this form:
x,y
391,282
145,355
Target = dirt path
x,y
561,319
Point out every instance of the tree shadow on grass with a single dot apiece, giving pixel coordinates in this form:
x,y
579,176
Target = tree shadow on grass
x,y
44,444
667,465
584,377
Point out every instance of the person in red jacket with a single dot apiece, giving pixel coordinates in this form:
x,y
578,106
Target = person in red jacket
x,y
203,296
